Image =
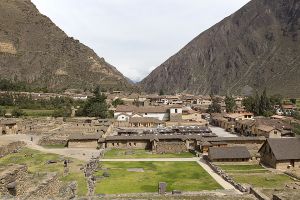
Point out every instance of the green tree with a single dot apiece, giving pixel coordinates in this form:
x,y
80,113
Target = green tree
x,y
117,102
230,104
276,99
17,112
248,103
265,107
2,112
161,92
62,112
261,105
296,115
293,101
256,104
95,106
215,107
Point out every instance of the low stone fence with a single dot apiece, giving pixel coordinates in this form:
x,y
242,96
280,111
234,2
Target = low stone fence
x,y
226,177
11,148
51,140
258,194
291,174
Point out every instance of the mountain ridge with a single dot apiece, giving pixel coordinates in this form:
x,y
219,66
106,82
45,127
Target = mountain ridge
x,y
34,50
245,49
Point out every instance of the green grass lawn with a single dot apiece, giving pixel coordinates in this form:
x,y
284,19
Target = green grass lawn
x,y
256,176
38,113
184,176
265,180
37,164
54,146
243,168
33,112
298,103
141,153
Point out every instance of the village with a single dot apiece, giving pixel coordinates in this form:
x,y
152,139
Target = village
x,y
230,153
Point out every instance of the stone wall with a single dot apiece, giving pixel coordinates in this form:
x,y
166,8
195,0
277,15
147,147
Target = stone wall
x,y
171,147
138,144
13,181
48,188
226,177
83,144
258,194
11,147
53,140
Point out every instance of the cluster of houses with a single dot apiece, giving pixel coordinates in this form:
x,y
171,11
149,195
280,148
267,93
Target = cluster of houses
x,y
246,125
156,116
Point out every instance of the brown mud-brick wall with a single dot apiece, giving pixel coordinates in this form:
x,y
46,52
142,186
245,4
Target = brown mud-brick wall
x,y
171,147
175,117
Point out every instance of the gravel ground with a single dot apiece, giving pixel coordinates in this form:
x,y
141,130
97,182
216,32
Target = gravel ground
x,y
220,132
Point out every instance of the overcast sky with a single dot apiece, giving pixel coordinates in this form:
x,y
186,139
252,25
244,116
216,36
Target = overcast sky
x,y
136,36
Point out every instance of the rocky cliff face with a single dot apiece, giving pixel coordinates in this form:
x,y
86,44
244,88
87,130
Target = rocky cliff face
x,y
256,47
33,49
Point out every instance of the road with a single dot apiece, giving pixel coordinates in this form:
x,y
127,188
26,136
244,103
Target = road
x,y
220,132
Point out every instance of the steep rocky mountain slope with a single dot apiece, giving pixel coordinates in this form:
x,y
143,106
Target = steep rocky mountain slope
x,y
256,47
34,50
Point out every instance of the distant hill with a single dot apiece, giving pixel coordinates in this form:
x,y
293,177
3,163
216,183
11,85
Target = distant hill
x,y
256,47
34,50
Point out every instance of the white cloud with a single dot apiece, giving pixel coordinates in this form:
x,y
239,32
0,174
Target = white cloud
x,y
136,35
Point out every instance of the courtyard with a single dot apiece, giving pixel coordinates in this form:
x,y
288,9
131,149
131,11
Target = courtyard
x,y
141,177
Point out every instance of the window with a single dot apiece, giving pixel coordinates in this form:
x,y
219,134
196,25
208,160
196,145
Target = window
x,y
176,111
113,144
134,144
275,132
129,143
146,113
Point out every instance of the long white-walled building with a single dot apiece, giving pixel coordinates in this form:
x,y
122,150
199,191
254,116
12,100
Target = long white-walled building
x,y
123,113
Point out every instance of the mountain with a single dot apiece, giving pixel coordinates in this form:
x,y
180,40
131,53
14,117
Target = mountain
x,y
34,50
255,48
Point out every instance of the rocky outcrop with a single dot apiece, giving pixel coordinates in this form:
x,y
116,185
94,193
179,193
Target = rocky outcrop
x,y
17,182
256,47
35,51
13,181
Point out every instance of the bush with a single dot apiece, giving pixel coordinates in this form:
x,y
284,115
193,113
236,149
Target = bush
x,y
2,112
17,112
63,112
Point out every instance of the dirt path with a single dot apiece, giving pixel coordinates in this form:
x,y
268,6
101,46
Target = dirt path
x,y
151,160
215,176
